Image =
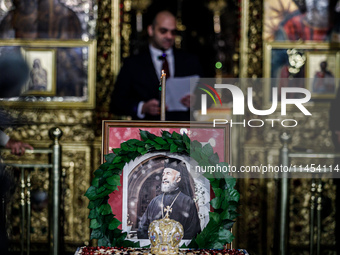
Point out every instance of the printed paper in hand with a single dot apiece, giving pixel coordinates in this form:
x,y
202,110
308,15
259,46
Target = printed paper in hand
x,y
177,88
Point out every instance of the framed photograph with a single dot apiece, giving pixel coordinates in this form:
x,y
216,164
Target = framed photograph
x,y
42,72
291,20
322,70
284,61
62,73
143,180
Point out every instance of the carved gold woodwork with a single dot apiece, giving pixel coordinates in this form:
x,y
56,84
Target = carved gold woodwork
x,y
76,174
126,29
77,165
81,145
311,132
252,191
82,134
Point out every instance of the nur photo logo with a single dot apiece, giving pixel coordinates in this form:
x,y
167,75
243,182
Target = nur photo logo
x,y
282,97
212,97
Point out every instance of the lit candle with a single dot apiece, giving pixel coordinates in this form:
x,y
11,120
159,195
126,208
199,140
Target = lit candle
x,y
163,78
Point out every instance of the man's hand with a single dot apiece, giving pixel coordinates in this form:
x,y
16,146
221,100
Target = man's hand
x,y
151,107
17,147
188,100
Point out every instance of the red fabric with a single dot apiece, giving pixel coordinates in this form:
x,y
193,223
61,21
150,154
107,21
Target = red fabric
x,y
297,28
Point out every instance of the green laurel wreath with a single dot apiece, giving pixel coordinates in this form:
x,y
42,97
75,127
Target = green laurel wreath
x,y
103,223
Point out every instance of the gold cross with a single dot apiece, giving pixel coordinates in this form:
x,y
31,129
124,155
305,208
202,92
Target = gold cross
x,y
168,210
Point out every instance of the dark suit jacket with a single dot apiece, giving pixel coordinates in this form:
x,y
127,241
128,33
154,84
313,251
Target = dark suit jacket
x,y
138,81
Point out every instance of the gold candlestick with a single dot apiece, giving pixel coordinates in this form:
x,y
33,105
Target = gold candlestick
x,y
163,100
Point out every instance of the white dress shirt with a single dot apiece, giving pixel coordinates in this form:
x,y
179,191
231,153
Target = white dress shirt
x,y
158,63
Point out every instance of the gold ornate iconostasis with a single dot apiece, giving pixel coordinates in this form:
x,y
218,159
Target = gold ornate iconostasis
x,y
228,33
262,20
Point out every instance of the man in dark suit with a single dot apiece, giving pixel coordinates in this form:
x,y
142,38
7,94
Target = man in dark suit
x,y
136,92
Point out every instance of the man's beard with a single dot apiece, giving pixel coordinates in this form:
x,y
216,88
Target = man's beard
x,y
169,186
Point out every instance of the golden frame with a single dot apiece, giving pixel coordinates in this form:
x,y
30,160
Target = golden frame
x,y
47,62
310,46
116,132
86,101
306,47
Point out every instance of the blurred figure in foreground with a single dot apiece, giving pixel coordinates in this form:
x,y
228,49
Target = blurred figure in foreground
x,y
13,75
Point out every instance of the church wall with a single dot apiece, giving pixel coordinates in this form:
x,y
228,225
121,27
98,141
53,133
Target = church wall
x,y
256,229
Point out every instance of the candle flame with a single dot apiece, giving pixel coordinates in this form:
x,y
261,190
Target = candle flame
x,y
163,74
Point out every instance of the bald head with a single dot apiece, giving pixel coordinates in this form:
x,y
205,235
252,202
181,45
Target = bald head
x,y
162,32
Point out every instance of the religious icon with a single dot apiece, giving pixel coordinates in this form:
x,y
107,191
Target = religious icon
x,y
38,76
323,74
322,71
307,20
42,78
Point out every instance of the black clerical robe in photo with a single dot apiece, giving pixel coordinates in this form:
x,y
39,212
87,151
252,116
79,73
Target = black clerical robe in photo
x,y
183,210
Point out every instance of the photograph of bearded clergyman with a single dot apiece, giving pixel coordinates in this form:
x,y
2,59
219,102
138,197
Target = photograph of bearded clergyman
x,y
177,194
